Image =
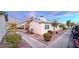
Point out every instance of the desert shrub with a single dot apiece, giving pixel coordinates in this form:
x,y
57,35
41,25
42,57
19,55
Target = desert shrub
x,y
47,36
13,39
50,32
64,28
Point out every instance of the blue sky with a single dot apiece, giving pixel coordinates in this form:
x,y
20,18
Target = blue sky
x,y
60,16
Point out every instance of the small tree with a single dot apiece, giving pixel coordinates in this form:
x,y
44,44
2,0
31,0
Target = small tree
x,y
62,26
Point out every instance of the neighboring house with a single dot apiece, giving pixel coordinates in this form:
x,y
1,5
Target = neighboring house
x,y
41,26
21,25
3,24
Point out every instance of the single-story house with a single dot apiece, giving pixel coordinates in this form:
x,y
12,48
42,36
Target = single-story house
x,y
41,26
3,24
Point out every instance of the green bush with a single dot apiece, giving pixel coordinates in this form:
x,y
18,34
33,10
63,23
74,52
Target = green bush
x,y
13,39
47,36
64,28
50,32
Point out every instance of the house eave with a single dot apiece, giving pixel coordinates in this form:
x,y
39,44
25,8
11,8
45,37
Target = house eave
x,y
5,14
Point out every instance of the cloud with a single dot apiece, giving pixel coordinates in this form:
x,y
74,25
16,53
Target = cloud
x,y
32,13
60,14
71,13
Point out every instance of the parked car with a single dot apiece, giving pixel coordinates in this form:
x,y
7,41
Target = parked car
x,y
75,33
75,30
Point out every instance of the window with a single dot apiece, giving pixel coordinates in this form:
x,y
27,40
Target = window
x,y
46,26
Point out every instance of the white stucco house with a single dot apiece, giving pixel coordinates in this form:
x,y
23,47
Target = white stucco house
x,y
41,26
3,24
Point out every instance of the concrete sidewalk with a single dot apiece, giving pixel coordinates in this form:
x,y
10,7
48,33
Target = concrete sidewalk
x,y
62,41
33,42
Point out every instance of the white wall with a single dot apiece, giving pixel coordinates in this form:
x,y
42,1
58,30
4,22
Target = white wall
x,y
40,28
43,30
57,28
36,27
2,26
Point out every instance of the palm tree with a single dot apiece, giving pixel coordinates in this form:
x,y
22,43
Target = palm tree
x,y
68,23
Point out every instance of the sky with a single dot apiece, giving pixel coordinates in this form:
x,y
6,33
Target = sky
x,y
60,16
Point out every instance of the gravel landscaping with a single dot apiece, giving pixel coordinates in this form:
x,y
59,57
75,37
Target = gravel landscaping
x,y
21,44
